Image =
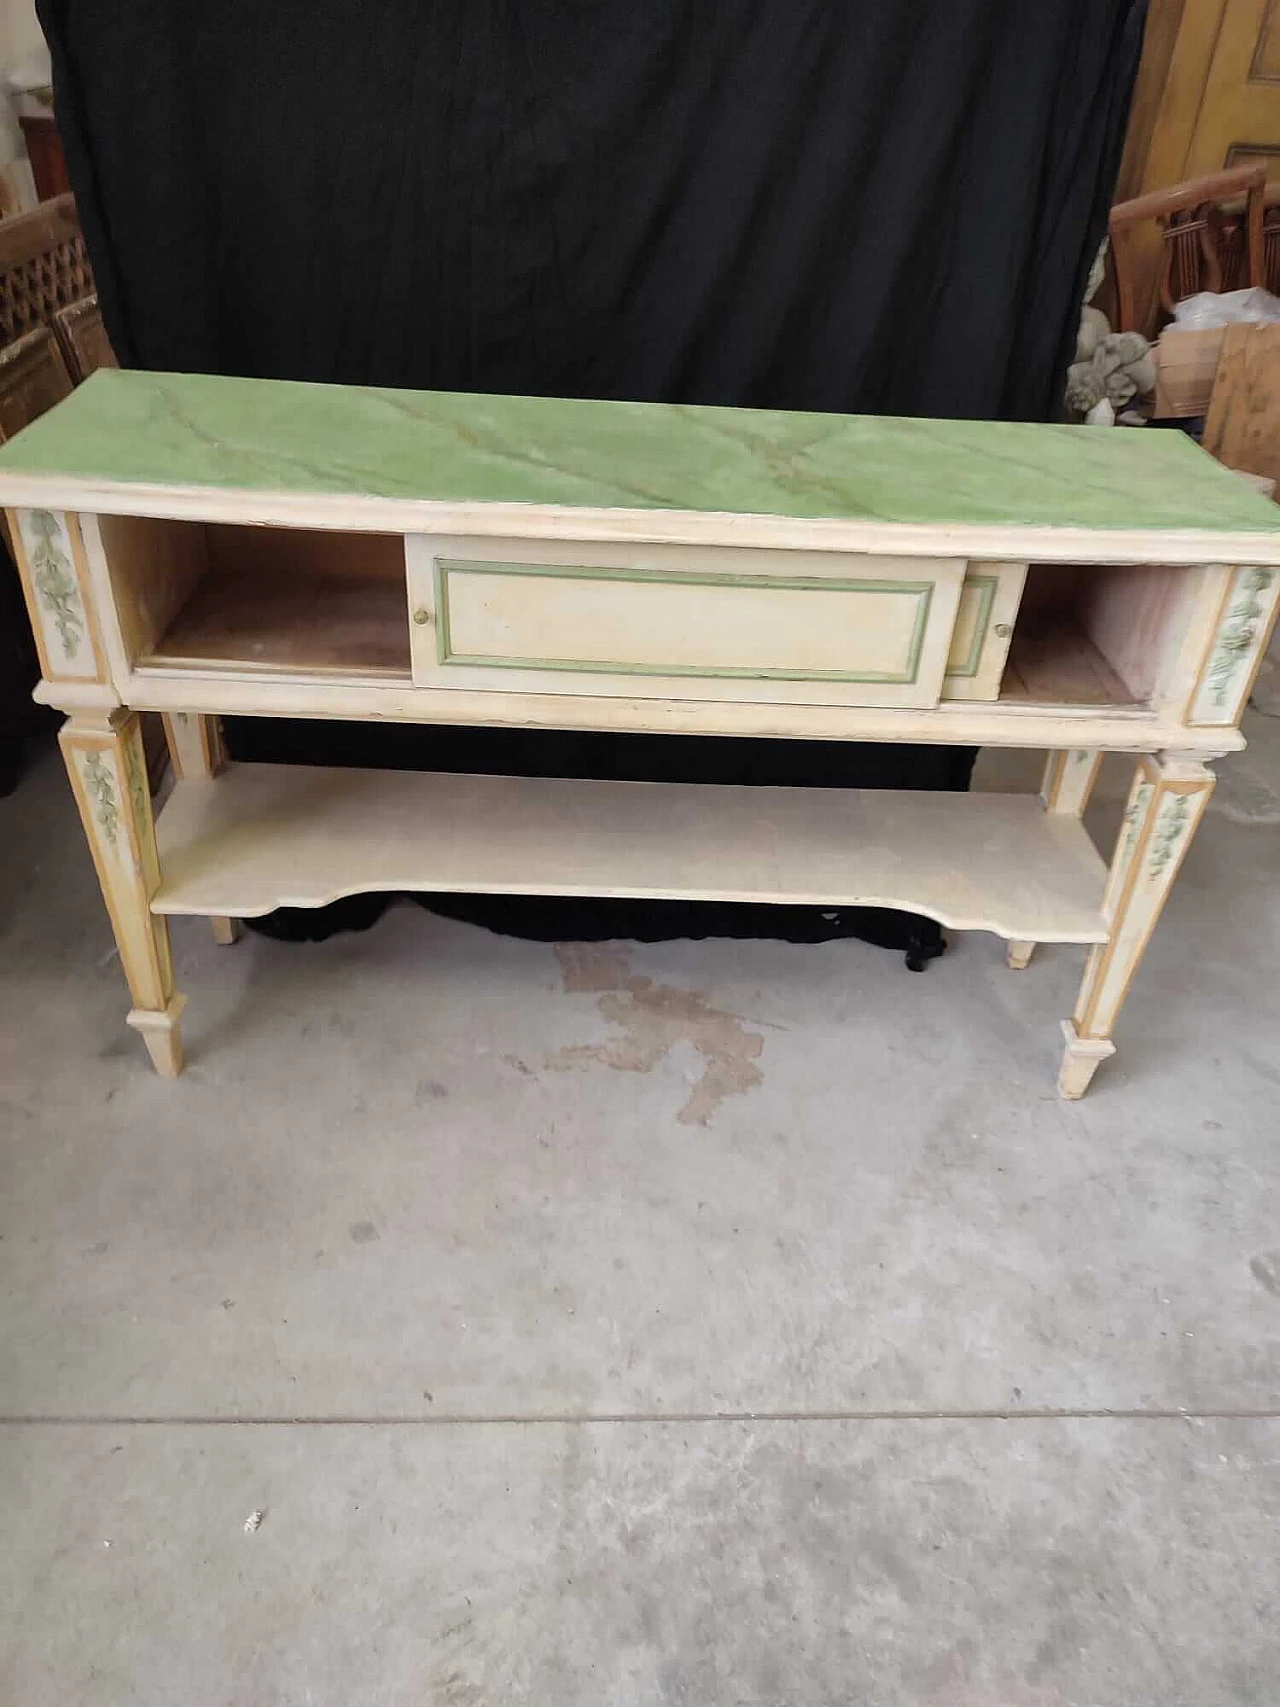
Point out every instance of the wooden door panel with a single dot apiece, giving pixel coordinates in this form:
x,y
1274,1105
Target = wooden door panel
x,y
1239,117
1208,92
1207,96
1266,54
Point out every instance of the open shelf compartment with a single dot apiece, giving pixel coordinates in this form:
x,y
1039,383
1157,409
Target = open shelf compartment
x,y
273,601
1095,635
264,836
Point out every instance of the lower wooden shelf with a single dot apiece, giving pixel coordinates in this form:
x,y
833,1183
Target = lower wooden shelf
x,y
263,836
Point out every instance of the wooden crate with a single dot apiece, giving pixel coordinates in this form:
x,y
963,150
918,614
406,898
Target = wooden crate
x,y
1186,366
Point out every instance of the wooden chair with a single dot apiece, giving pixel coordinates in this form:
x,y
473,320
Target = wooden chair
x,y
1271,239
43,267
1213,239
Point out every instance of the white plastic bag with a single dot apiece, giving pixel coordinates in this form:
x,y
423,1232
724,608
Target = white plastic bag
x,y
1209,308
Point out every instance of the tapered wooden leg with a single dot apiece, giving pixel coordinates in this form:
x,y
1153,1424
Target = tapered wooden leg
x,y
1080,1061
160,1033
107,767
1166,803
196,750
1020,954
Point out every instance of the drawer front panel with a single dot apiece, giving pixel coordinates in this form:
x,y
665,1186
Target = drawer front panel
x,y
989,603
805,627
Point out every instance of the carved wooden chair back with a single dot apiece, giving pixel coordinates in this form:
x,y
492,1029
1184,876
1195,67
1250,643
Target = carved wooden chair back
x,y
1213,239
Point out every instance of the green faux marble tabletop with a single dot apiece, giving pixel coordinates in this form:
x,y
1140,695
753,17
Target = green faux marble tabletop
x,y
261,435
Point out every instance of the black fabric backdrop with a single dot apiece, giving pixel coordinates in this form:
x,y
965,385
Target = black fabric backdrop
x,y
885,206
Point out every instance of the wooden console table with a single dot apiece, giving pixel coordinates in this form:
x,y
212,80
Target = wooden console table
x,y
200,546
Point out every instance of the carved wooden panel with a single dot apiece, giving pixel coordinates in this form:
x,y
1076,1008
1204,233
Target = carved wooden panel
x,y
43,266
83,338
33,377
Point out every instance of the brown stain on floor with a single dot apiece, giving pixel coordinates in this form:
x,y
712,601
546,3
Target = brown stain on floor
x,y
653,1018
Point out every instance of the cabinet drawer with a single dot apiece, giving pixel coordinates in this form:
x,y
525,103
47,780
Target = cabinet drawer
x,y
667,622
989,601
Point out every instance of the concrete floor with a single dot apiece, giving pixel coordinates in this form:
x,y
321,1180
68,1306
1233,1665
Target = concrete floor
x,y
768,1335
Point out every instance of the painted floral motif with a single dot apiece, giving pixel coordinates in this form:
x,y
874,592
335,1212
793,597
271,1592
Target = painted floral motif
x,y
1169,831
54,582
139,791
1238,633
102,791
1134,816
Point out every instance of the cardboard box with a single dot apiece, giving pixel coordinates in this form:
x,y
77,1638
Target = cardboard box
x,y
1186,366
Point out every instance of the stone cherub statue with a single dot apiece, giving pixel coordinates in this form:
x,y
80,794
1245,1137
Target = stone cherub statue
x,y
1111,368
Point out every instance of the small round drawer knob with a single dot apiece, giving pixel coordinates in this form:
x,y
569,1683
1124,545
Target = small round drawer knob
x,y
421,616
1002,630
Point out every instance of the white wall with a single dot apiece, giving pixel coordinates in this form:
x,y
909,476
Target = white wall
x,y
21,45
20,37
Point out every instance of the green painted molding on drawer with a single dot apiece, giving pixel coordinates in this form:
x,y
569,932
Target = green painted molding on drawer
x,y
446,567
986,598
224,433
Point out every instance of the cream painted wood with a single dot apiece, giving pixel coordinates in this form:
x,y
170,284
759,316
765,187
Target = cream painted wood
x,y
818,628
1068,780
47,549
1136,616
1191,615
159,1031
196,753
1236,647
108,772
76,696
1182,617
1166,802
989,601
264,836
195,745
111,611
1122,729
1081,1058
